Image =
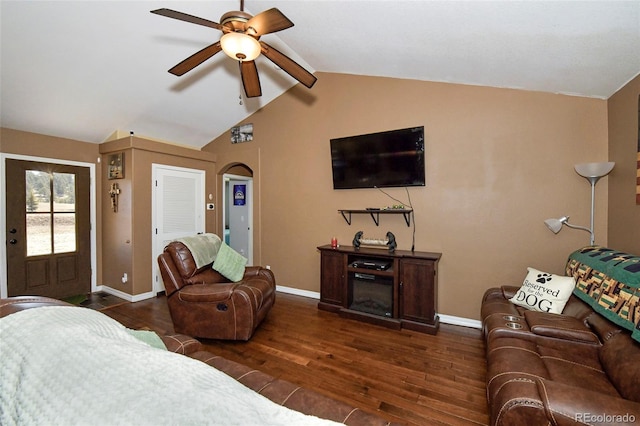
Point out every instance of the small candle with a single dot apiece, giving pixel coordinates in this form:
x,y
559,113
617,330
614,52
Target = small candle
x,y
334,242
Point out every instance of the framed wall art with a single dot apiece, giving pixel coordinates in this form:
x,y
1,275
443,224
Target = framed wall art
x,y
243,133
116,166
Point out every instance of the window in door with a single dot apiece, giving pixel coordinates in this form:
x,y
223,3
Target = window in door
x,y
50,212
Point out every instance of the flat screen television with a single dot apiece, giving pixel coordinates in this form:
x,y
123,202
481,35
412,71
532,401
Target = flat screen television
x,y
393,158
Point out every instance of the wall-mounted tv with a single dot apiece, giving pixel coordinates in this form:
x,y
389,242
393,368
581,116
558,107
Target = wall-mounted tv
x,y
385,159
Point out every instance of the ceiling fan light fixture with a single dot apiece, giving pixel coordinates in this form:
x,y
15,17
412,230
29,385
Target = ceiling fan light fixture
x,y
239,46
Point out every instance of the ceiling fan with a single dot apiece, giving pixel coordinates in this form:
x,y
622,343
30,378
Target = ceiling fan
x,y
241,41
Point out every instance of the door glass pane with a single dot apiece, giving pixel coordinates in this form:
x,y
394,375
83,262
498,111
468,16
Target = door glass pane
x,y
38,185
38,196
64,190
64,232
38,234
64,207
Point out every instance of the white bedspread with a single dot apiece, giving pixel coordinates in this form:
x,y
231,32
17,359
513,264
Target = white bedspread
x,y
75,366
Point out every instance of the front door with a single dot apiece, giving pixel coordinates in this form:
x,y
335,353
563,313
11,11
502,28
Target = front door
x,y
48,229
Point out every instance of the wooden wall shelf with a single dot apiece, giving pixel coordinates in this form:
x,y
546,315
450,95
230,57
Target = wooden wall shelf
x,y
375,214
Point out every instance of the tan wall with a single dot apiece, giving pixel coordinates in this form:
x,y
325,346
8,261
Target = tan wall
x,y
128,233
37,145
624,213
499,162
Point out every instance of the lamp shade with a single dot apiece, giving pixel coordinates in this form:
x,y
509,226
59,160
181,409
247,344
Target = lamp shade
x,y
555,225
240,47
594,170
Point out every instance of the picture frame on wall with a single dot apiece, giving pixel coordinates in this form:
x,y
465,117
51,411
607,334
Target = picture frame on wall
x,y
116,166
638,159
243,133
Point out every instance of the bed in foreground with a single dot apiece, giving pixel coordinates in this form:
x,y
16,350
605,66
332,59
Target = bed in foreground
x,y
71,365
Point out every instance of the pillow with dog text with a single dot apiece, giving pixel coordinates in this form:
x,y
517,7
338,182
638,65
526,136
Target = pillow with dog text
x,y
544,292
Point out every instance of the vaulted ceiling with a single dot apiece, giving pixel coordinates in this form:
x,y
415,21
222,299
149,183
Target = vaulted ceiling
x,y
85,69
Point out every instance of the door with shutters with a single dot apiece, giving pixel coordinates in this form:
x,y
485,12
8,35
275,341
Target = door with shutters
x,y
178,209
48,219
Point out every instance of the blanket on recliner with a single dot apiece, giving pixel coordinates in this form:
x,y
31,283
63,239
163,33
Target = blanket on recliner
x,y
204,247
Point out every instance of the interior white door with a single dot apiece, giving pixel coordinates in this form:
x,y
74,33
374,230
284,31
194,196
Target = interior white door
x,y
238,209
178,209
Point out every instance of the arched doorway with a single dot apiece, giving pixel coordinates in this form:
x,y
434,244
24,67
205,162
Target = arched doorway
x,y
237,208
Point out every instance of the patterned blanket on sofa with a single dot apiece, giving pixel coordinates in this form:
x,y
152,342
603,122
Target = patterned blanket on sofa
x,y
609,281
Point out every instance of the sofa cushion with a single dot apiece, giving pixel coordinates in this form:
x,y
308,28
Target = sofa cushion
x,y
544,292
230,263
514,359
619,357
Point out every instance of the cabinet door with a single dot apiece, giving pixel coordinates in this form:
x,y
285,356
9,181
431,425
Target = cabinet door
x,y
418,290
332,277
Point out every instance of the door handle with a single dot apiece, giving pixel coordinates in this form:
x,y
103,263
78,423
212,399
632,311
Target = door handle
x,y
13,241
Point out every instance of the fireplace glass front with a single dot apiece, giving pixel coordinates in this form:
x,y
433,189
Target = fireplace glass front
x,y
371,293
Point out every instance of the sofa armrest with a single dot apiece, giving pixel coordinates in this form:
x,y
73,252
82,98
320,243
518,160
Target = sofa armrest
x,y
560,326
20,303
181,344
259,272
508,291
568,405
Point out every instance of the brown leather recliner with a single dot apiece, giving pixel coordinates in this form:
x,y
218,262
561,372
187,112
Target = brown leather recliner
x,y
205,304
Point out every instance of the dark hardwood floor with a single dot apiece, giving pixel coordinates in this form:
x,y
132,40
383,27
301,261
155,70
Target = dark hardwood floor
x,y
404,376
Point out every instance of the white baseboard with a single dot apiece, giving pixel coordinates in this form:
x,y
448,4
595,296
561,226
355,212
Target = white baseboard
x,y
298,292
464,322
445,319
126,296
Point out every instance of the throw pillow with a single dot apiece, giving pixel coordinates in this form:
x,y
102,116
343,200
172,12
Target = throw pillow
x,y
230,263
544,292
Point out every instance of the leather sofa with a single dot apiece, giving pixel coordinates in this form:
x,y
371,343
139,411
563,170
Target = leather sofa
x,y
203,303
279,391
578,367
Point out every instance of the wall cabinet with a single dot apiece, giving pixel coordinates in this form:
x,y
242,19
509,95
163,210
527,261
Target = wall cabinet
x,y
393,289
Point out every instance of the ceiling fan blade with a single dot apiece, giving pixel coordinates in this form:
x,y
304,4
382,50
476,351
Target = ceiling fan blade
x,y
187,18
196,59
266,22
250,79
289,65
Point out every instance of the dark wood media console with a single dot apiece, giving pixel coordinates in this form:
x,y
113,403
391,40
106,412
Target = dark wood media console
x,y
392,289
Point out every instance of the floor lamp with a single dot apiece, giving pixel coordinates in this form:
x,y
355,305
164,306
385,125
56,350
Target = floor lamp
x,y
592,172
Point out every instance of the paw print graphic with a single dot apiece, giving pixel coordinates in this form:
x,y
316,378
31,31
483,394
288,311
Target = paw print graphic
x,y
543,278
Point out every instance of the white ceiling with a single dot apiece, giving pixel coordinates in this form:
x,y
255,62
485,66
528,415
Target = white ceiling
x,y
85,69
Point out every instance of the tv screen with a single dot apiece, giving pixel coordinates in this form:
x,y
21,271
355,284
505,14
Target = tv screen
x,y
385,159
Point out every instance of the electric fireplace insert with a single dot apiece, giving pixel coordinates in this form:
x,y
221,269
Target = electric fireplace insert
x,y
372,294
